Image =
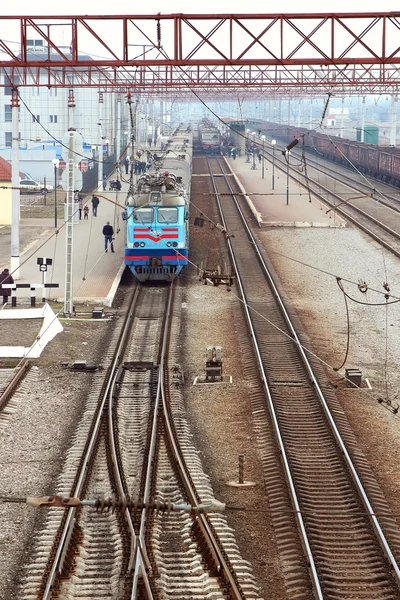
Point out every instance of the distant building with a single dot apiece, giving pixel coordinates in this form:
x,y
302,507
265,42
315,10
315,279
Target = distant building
x,y
334,118
43,113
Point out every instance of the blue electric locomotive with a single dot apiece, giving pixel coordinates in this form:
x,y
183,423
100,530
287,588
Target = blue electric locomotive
x,y
157,216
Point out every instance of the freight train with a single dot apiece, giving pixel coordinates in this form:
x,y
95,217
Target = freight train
x,y
157,214
379,162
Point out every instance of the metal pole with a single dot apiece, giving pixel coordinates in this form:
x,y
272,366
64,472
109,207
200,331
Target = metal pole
x,y
100,152
363,120
287,176
15,193
44,284
273,166
69,233
262,172
55,196
241,468
118,125
68,300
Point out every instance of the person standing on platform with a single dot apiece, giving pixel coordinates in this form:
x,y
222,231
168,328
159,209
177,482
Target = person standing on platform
x,y
126,163
104,182
108,233
95,204
80,204
5,277
86,212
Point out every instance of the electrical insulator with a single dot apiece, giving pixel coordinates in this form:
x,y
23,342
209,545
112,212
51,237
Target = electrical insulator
x,y
158,33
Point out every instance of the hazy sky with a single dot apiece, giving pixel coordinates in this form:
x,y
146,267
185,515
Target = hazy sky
x,y
50,7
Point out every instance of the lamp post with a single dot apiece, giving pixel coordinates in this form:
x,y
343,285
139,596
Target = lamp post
x,y
247,146
56,163
273,142
262,164
254,166
287,154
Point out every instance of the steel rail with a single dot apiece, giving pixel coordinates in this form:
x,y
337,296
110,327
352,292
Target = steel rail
x,y
161,403
360,488
22,370
289,477
70,518
344,213
138,569
211,540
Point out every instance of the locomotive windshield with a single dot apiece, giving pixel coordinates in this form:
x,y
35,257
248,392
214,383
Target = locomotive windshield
x,y
167,215
143,215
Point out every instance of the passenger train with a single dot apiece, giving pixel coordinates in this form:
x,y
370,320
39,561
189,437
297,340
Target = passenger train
x,y
209,138
157,214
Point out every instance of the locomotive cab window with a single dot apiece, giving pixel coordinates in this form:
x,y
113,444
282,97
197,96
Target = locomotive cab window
x,y
143,215
167,215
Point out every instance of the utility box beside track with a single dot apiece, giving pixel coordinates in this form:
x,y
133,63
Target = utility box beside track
x,y
214,362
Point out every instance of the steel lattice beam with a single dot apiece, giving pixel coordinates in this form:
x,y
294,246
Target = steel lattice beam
x,y
175,53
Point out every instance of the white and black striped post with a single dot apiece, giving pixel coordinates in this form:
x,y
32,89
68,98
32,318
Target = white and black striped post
x,y
43,264
31,286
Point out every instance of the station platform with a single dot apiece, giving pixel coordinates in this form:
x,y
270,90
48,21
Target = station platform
x,y
96,274
273,207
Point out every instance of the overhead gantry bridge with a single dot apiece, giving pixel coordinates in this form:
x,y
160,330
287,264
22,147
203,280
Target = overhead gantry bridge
x,y
352,53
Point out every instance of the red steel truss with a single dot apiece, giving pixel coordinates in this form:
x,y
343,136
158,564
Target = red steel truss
x,y
164,54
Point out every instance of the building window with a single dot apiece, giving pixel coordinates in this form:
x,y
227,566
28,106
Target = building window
x,y
8,139
8,84
7,113
53,91
53,118
35,118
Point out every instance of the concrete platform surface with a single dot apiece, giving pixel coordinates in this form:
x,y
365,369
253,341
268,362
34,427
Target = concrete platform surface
x,y
273,207
96,274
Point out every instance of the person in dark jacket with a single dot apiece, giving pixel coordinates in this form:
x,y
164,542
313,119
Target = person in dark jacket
x,y
95,204
5,277
108,233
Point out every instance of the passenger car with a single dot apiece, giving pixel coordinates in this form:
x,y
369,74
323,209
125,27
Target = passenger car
x,y
29,186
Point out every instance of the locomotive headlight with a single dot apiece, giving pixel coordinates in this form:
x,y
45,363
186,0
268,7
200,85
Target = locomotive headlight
x,y
142,244
174,244
136,244
169,244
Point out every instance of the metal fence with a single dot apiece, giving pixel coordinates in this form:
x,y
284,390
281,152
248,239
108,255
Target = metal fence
x,y
91,177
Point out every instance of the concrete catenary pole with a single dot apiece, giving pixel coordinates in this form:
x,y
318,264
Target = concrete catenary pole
x,y
70,209
393,124
118,127
15,194
100,154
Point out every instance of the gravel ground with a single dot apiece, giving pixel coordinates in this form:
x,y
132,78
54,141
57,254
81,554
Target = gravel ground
x,y
32,445
374,330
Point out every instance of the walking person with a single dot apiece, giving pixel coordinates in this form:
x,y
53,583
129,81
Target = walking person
x,y
5,277
126,163
95,204
104,182
108,233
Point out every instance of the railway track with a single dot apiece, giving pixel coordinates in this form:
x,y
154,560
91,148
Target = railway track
x,y
10,387
133,452
378,219
336,533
